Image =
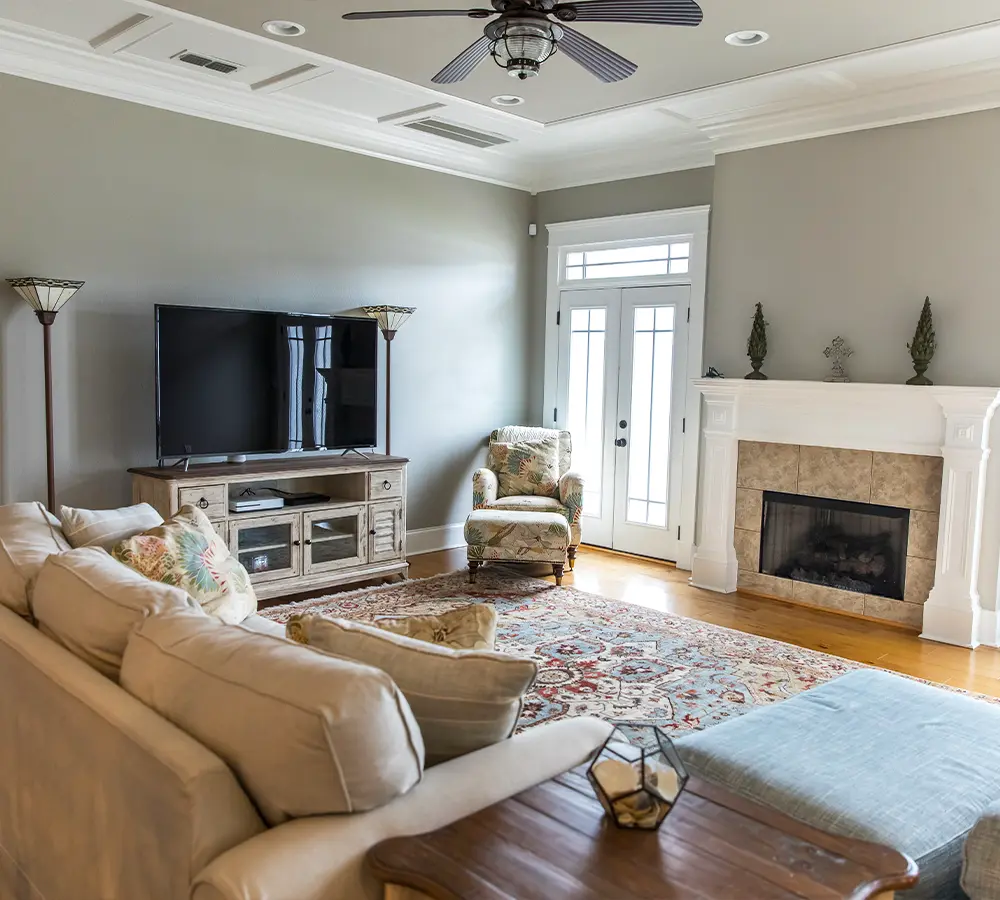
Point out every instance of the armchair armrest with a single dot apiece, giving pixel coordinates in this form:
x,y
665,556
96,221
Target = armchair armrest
x,y
571,495
981,856
485,486
323,857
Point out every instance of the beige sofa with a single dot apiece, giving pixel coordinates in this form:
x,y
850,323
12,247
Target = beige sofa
x,y
102,799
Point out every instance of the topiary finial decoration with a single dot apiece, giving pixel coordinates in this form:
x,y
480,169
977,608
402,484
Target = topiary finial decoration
x,y
923,345
757,345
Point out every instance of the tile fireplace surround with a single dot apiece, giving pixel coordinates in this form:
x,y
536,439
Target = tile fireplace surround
x,y
925,449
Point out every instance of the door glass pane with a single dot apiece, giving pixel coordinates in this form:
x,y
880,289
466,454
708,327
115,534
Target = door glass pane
x,y
334,538
265,548
649,425
585,417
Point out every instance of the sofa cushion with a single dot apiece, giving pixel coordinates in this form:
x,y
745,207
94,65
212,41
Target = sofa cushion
x,y
472,627
186,552
871,756
462,699
526,467
106,527
306,733
29,535
89,603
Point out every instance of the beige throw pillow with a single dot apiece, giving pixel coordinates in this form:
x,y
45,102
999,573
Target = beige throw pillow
x,y
526,468
106,527
90,603
306,733
472,627
186,552
462,699
29,535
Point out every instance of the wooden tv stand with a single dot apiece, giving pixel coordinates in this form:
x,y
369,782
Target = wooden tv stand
x,y
358,533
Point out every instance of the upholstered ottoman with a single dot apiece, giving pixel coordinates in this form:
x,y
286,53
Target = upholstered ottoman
x,y
510,535
871,756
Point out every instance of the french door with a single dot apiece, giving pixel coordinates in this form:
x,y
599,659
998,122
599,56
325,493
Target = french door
x,y
621,392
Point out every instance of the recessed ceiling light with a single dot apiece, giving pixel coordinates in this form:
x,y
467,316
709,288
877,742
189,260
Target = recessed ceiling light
x,y
506,100
747,38
284,28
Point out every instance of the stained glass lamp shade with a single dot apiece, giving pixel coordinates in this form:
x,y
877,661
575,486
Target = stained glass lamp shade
x,y
390,318
45,295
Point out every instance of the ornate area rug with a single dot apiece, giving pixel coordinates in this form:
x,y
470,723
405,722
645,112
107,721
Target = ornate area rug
x,y
603,658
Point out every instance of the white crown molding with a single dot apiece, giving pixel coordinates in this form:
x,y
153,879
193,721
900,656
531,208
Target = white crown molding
x,y
42,56
933,77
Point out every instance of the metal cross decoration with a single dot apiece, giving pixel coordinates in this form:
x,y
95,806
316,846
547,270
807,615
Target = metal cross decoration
x,y
838,353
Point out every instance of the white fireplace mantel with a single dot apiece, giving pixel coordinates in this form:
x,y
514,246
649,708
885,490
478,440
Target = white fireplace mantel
x,y
952,422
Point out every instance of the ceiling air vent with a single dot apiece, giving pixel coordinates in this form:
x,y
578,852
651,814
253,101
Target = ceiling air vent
x,y
458,133
222,66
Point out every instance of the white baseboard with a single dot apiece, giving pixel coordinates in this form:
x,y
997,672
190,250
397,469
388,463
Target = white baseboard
x,y
988,627
440,537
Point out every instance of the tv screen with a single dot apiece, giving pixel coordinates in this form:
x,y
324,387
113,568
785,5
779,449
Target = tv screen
x,y
237,381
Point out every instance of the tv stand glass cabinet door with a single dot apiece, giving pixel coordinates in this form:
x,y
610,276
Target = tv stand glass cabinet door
x,y
334,539
269,547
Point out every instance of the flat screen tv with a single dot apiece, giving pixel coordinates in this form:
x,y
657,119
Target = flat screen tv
x,y
232,382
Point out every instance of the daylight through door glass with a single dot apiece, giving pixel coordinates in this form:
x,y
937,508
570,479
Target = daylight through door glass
x,y
649,421
585,418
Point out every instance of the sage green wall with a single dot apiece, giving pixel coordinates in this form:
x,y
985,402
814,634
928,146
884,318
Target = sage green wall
x,y
673,190
147,206
847,235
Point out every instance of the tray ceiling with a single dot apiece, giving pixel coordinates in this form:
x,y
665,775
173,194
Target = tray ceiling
x,y
671,60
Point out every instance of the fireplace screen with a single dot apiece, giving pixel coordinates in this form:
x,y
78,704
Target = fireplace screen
x,y
852,546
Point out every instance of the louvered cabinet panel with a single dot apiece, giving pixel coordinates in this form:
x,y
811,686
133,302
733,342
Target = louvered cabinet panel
x,y
385,533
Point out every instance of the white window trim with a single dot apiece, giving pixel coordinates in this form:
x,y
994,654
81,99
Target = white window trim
x,y
668,226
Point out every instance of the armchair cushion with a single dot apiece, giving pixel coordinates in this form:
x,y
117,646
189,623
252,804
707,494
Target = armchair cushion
x,y
485,486
529,503
512,434
526,467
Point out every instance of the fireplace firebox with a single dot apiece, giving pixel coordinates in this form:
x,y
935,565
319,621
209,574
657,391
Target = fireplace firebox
x,y
856,547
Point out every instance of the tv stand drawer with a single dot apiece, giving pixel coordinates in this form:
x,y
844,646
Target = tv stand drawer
x,y
385,485
209,498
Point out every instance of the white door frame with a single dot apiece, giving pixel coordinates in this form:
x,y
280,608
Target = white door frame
x,y
666,226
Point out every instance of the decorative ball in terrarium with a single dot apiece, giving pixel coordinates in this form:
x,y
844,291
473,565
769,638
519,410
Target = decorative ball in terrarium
x,y
637,776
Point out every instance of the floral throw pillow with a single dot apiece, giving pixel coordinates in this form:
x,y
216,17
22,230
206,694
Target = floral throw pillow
x,y
527,467
186,552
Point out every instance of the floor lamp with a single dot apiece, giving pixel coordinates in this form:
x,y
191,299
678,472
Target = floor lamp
x,y
46,296
390,319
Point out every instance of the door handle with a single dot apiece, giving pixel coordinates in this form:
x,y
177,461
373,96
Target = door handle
x,y
623,424
621,442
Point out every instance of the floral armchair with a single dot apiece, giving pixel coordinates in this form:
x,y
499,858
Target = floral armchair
x,y
566,497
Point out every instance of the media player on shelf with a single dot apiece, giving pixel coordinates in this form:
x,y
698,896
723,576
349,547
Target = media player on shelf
x,y
255,504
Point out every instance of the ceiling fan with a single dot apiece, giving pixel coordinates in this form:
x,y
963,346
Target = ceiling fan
x,y
527,32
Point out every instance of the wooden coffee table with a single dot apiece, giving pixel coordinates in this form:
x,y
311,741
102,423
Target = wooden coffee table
x,y
552,842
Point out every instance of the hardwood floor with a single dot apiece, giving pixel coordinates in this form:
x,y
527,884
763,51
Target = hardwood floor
x,y
660,586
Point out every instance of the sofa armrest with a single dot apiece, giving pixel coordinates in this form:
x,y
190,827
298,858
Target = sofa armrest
x,y
485,487
571,495
981,857
323,858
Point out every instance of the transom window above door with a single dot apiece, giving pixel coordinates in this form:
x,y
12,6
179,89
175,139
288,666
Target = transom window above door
x,y
639,261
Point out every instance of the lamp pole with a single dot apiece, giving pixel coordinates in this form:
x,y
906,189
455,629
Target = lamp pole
x,y
47,318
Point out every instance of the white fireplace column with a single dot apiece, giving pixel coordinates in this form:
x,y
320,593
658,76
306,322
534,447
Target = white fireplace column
x,y
952,612
714,565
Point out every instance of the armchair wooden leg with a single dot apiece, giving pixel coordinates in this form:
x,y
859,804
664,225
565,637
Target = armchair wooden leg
x,y
473,568
557,570
571,553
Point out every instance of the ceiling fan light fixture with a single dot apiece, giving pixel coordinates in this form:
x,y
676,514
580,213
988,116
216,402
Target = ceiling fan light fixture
x,y
284,28
749,38
520,46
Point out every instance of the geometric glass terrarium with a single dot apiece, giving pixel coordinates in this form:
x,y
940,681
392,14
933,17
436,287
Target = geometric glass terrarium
x,y
637,777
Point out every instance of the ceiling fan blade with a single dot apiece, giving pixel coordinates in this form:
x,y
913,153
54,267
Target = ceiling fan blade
x,y
597,59
420,13
655,12
464,63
